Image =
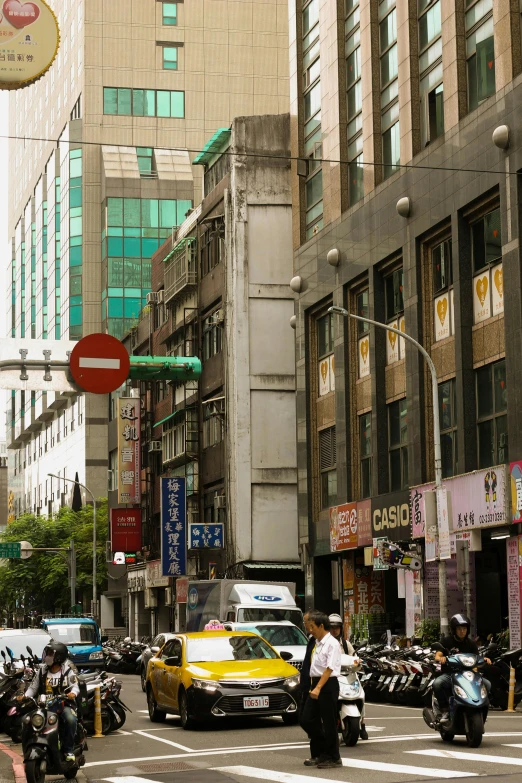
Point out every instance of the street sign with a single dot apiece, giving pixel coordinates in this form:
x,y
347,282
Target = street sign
x,y
11,549
99,363
26,550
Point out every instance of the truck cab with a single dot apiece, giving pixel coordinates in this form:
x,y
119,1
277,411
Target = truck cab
x,y
82,637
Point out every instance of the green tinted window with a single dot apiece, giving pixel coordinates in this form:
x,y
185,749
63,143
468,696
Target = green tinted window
x,y
170,13
170,58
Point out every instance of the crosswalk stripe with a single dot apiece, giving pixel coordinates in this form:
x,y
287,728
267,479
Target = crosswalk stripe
x,y
404,769
269,774
457,754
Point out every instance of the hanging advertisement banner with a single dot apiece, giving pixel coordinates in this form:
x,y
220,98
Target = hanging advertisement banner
x,y
173,526
153,575
182,590
125,529
513,580
29,40
516,490
129,447
364,523
443,523
343,527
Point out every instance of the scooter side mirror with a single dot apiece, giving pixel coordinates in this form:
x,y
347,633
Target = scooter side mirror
x,y
30,651
286,655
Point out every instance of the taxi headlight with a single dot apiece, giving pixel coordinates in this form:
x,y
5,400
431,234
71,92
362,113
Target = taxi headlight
x,y
37,720
206,685
461,693
292,682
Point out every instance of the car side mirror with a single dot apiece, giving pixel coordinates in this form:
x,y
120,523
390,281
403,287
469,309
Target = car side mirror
x,y
286,655
155,650
174,660
104,639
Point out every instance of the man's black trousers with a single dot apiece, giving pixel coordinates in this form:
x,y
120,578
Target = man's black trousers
x,y
319,720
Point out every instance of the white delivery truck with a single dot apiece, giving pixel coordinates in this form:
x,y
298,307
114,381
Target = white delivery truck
x,y
240,602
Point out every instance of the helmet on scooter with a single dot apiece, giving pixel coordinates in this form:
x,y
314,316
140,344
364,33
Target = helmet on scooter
x,y
336,619
57,651
459,621
127,640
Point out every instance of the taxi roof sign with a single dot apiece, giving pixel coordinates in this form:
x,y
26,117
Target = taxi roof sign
x,y
214,625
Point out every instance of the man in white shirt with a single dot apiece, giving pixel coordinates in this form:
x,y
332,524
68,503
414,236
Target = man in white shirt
x,y
320,711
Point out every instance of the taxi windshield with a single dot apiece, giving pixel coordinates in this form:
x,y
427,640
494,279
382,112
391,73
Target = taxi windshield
x,y
228,648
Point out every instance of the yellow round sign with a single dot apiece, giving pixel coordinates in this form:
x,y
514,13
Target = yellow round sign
x,y
29,40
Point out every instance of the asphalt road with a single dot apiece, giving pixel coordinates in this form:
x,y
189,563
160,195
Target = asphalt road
x,y
400,748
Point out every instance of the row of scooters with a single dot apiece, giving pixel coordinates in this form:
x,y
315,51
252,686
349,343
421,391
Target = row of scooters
x,y
123,656
18,673
401,675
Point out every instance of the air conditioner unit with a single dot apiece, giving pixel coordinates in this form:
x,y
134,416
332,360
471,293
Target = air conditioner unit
x,y
161,297
155,445
151,599
220,501
219,317
152,297
168,596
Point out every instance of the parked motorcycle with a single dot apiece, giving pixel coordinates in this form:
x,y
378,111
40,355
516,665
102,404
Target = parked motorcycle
x,y
113,709
42,746
351,699
468,705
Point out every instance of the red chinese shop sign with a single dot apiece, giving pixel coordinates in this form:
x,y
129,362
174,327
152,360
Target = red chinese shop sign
x,y
125,529
350,526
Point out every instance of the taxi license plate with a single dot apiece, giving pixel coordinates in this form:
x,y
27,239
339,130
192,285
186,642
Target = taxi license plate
x,y
255,702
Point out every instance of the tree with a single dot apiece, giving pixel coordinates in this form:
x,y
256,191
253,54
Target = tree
x,y
40,584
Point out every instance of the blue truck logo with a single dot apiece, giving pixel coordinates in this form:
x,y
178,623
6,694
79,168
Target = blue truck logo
x,y
267,599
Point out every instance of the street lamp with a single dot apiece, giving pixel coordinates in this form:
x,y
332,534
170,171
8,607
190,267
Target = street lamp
x,y
73,481
436,442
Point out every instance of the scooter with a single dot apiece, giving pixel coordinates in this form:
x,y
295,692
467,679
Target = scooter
x,y
351,699
41,743
468,704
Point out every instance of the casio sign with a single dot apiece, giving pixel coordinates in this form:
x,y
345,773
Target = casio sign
x,y
267,599
392,517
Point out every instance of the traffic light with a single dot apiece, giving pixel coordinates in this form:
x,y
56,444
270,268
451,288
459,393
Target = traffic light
x,y
164,368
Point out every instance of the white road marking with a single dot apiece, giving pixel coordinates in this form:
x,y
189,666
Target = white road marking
x,y
393,707
123,733
457,754
99,364
375,728
129,779
269,774
162,739
405,769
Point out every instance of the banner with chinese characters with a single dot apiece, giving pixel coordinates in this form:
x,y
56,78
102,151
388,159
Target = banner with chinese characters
x,y
516,490
364,356
129,481
125,529
513,579
206,536
343,527
173,526
29,40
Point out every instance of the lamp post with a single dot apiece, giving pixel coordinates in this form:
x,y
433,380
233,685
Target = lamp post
x,y
443,598
73,481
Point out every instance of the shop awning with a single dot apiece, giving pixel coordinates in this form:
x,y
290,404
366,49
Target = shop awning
x,y
281,566
167,418
213,147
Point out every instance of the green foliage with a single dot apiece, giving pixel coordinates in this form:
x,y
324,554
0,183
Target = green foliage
x,y
40,583
428,631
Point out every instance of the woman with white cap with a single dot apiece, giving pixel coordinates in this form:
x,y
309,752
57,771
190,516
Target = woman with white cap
x,y
336,629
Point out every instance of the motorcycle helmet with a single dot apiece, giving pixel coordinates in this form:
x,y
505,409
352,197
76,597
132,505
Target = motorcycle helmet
x,y
336,619
459,620
127,640
57,651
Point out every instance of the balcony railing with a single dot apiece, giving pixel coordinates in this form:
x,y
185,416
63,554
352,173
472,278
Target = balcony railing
x,y
181,269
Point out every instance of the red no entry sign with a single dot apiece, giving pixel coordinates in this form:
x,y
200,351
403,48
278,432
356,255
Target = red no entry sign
x,y
99,363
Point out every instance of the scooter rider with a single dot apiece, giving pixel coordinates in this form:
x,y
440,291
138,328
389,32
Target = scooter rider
x,y
336,629
459,642
53,677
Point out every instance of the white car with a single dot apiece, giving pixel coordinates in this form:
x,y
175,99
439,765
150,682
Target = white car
x,y
284,636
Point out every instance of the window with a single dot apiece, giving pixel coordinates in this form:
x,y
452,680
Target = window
x,y
314,199
312,119
486,241
492,434
213,425
170,58
441,262
212,337
365,447
146,162
170,13
211,250
391,146
143,103
362,308
394,295
325,335
448,428
327,466
354,100
398,445
480,51
389,87
211,514
442,266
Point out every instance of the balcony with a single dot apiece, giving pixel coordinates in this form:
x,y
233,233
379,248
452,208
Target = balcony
x,y
181,270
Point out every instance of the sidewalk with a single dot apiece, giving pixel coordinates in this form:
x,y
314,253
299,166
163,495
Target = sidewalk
x,y
11,765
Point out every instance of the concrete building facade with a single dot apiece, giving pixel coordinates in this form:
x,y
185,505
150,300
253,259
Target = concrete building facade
x,y
100,174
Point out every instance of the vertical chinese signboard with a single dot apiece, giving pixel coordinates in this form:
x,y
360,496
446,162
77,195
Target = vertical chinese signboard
x,y
129,480
516,490
173,526
513,579
125,529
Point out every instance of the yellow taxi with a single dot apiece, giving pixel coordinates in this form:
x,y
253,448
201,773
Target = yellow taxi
x,y
218,674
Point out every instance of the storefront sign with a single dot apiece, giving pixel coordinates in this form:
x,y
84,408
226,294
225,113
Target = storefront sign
x,y
369,590
182,589
153,576
412,581
136,581
364,523
513,579
443,527
129,480
125,529
29,39
343,527
206,536
173,526
516,490
391,516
